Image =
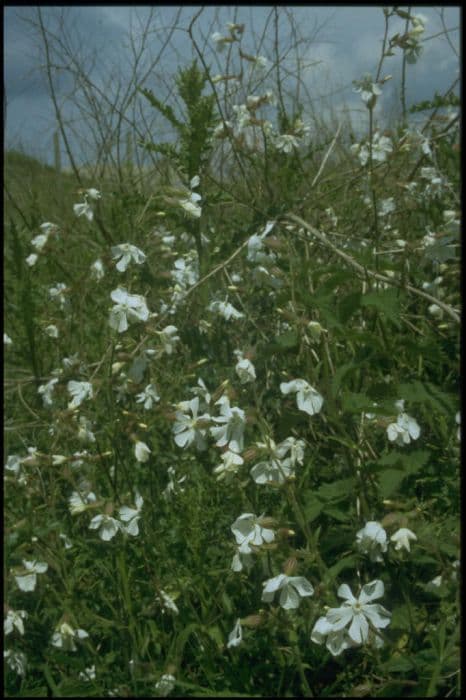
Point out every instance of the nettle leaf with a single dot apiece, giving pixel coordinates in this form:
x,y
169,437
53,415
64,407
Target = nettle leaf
x,y
313,506
335,513
349,305
426,393
337,490
389,481
387,301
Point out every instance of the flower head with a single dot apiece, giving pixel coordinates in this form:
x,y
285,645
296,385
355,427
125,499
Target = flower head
x,y
231,430
402,537
236,635
64,636
292,588
27,578
14,619
372,540
141,451
359,612
148,396
124,253
131,516
107,526
307,398
249,532
79,391
188,429
128,307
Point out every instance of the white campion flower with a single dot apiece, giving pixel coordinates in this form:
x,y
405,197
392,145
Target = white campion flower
x,y
107,526
292,588
7,340
88,674
79,502
248,530
186,272
169,337
231,432
307,398
14,620
292,447
93,193
165,685
124,253
46,390
372,540
27,578
38,242
225,309
284,143
369,90
64,636
32,259
271,470
14,464
148,396
83,209
359,613
188,429
236,635
97,270
402,537
241,560
79,392
244,368
335,641
190,203
141,451
404,430
67,543
16,661
85,433
57,293
173,486
47,228
231,461
168,603
128,307
51,331
131,516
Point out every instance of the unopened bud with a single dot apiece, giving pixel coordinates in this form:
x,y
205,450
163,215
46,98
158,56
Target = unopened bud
x,y
290,566
252,621
284,532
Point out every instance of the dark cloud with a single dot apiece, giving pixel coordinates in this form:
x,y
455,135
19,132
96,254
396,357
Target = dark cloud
x,y
341,44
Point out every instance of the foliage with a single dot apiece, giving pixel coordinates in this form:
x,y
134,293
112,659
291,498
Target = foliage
x,y
328,291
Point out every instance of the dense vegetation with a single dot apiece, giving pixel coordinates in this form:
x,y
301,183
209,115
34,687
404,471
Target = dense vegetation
x,y
232,409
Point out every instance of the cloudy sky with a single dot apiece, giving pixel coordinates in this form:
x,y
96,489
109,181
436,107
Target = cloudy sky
x,y
337,45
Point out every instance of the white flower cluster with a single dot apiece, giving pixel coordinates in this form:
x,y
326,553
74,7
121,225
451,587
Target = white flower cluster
x,y
39,242
84,208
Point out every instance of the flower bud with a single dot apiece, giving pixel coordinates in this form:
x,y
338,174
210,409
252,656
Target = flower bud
x,y
252,621
290,566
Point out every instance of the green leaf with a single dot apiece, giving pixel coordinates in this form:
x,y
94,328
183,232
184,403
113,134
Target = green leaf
x,y
356,403
387,301
389,481
337,490
288,340
335,513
